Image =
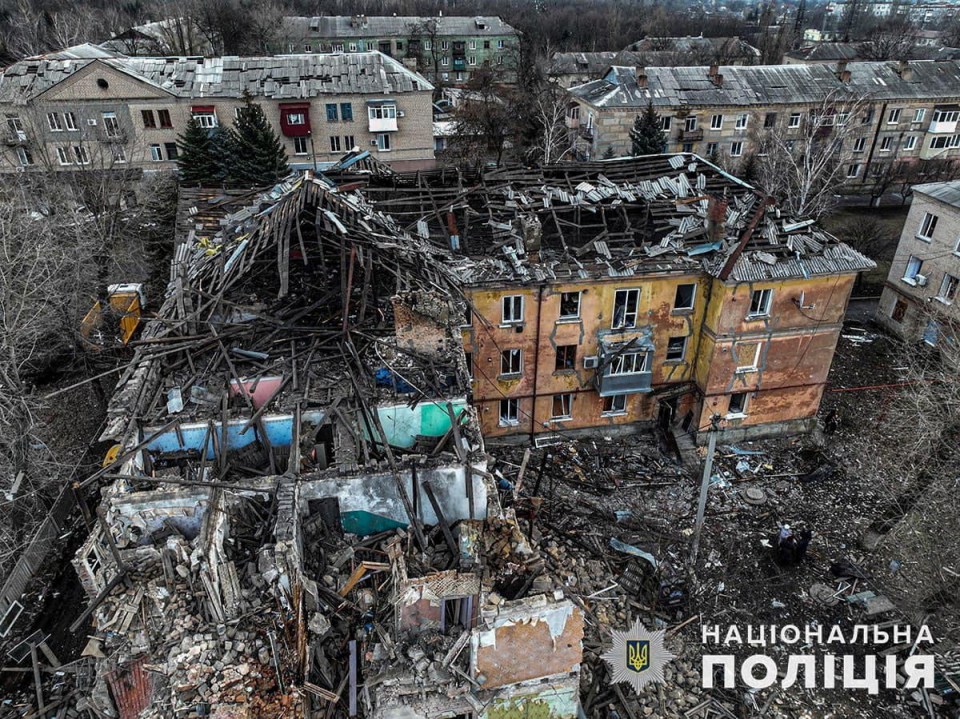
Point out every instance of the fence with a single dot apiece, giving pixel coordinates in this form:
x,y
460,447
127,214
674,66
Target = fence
x,y
34,556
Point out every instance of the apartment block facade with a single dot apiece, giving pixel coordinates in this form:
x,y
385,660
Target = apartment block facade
x,y
652,289
71,110
446,49
920,298
886,117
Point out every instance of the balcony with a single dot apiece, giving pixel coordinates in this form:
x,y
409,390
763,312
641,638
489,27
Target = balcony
x,y
572,122
15,137
586,132
691,135
459,64
626,369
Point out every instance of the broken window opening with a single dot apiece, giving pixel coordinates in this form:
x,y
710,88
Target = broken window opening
x,y
509,412
738,404
676,349
626,307
760,301
630,363
899,311
615,404
562,406
569,305
748,356
566,358
685,297
511,362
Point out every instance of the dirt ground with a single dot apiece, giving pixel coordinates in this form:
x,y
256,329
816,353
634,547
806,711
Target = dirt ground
x,y
626,490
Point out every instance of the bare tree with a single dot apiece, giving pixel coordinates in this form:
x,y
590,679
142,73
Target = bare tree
x,y
549,110
919,473
893,39
802,168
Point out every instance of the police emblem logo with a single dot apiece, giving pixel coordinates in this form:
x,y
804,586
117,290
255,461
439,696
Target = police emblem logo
x,y
637,656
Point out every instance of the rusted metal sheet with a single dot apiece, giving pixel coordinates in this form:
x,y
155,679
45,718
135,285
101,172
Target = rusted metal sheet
x,y
132,688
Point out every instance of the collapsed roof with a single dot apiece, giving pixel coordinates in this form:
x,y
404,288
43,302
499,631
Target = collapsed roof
x,y
616,218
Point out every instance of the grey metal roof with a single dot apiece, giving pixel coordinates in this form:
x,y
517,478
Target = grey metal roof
x,y
948,192
568,63
770,84
278,77
347,26
689,44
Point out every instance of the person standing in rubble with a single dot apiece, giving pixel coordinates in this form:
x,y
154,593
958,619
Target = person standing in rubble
x,y
803,541
786,545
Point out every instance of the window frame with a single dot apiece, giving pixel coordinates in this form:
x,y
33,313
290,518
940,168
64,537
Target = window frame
x,y
755,364
919,114
70,121
111,124
24,158
886,144
614,411
714,124
620,366
512,317
736,149
625,323
568,355
743,119
566,407
206,120
332,112
945,284
561,317
796,118
859,145
917,264
910,143
928,225
346,111
893,116
693,297
335,143
300,141
156,152
741,411
54,122
683,349
853,170
507,358
763,306
510,417
383,142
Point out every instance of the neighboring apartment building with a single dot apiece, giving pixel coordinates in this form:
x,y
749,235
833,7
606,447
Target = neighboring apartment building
x,y
920,299
87,107
446,49
606,294
830,53
906,112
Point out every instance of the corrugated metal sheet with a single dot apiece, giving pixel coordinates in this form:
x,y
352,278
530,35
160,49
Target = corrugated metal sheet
x,y
948,192
132,688
764,85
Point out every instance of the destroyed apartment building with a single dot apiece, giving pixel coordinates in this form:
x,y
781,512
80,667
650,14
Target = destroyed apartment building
x,y
300,520
651,289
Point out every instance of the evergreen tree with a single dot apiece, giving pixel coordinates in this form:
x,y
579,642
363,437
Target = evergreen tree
x,y
255,156
199,156
646,137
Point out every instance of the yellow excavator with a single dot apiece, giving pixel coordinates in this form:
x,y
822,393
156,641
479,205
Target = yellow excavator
x,y
115,325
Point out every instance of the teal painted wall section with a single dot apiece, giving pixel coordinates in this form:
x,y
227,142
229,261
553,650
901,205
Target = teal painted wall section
x,y
402,424
365,523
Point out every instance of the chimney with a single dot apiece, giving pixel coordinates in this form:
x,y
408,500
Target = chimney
x,y
532,236
641,74
904,70
716,217
714,74
843,74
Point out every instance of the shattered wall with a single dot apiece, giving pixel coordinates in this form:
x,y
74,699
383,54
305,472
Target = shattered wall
x,y
372,503
421,321
526,639
419,601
